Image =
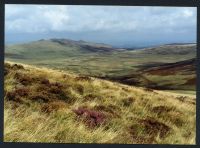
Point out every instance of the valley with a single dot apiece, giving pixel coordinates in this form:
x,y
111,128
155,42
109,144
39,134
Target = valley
x,y
64,91
100,74
130,67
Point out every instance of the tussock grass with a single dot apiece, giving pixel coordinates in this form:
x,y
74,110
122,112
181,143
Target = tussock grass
x,y
44,105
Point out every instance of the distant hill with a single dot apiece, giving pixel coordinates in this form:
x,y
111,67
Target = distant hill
x,y
104,61
67,47
80,43
183,67
180,49
175,76
93,47
58,48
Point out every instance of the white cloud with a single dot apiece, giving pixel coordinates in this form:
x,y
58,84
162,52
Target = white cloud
x,y
43,18
188,13
56,18
35,18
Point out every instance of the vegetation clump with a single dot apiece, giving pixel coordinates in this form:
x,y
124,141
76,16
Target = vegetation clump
x,y
154,127
109,109
53,106
91,117
17,94
45,81
161,109
90,97
128,101
83,78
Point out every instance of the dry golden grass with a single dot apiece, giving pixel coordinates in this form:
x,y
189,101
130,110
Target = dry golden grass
x,y
44,105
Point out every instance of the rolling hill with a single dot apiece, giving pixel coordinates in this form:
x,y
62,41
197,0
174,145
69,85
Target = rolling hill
x,y
45,105
104,61
172,49
174,76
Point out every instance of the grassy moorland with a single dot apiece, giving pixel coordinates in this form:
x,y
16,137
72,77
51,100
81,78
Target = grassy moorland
x,y
44,105
176,76
104,61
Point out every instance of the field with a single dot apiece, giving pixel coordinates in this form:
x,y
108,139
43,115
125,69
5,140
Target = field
x,y
44,105
65,91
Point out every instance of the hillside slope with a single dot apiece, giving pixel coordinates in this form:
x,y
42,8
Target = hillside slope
x,y
172,49
180,75
58,48
95,59
104,61
44,105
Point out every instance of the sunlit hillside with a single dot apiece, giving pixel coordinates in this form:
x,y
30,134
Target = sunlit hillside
x,y
44,105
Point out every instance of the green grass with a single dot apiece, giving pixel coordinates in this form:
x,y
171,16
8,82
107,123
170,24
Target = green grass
x,y
113,64
80,60
176,81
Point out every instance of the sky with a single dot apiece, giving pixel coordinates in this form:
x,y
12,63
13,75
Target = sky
x,y
120,26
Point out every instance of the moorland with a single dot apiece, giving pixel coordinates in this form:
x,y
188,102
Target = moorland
x,y
66,91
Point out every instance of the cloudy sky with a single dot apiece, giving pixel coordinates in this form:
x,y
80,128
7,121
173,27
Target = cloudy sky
x,y
116,25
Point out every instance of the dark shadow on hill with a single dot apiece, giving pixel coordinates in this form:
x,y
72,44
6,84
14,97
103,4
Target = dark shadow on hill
x,y
183,68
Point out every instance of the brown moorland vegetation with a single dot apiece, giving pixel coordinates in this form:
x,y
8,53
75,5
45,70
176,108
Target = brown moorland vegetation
x,y
44,105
